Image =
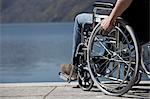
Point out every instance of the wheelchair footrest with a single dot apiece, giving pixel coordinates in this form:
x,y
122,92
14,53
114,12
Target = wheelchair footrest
x,y
64,76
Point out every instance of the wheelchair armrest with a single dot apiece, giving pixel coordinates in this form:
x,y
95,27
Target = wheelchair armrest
x,y
103,4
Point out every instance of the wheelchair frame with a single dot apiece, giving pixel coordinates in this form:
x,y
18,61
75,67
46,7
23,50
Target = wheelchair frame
x,y
86,73
108,6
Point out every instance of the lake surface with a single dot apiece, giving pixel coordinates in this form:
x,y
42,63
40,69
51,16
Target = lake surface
x,y
34,52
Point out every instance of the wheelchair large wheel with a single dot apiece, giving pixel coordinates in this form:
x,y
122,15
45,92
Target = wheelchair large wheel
x,y
113,58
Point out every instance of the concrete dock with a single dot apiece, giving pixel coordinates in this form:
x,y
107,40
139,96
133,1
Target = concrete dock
x,y
62,90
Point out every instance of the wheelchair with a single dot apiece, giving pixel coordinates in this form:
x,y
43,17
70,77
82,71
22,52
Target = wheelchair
x,y
110,60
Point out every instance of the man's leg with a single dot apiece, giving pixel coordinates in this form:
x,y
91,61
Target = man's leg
x,y
80,20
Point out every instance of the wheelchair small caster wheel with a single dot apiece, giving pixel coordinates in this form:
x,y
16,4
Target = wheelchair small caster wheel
x,y
85,81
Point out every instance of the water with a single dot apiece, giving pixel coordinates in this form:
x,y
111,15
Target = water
x,y
33,52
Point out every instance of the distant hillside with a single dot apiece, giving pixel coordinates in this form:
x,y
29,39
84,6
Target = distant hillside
x,y
43,10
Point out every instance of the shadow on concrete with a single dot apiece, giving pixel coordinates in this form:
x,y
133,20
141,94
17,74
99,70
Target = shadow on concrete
x,y
138,93
141,91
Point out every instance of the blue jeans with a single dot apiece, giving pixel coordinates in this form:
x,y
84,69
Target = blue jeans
x,y
80,20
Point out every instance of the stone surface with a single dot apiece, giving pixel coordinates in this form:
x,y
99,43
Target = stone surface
x,y
65,91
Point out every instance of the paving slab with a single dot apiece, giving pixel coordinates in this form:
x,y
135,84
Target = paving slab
x,y
59,90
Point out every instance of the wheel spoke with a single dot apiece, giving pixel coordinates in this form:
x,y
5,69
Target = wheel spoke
x,y
115,55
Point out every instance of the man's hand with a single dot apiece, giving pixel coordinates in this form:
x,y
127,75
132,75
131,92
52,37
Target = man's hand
x,y
120,7
107,24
